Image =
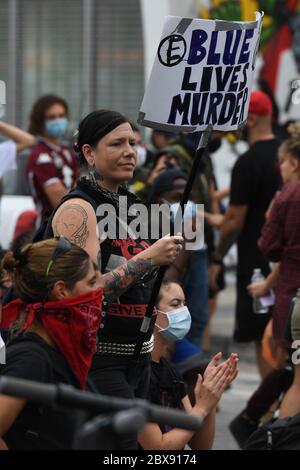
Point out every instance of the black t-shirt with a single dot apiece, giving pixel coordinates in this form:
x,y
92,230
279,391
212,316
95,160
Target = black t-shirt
x,y
39,426
255,180
167,387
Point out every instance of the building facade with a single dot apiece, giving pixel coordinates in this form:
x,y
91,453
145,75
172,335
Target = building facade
x,y
94,53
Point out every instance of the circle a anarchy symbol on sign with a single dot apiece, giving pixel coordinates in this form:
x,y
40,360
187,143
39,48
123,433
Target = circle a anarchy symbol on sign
x,y
172,50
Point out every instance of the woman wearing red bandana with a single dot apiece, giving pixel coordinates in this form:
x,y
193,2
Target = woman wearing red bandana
x,y
53,339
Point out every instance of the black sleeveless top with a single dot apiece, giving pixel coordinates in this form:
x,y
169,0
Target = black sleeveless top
x,y
123,318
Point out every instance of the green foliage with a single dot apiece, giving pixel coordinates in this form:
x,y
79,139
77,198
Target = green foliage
x,y
228,10
268,6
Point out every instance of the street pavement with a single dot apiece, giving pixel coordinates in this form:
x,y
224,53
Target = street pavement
x,y
233,400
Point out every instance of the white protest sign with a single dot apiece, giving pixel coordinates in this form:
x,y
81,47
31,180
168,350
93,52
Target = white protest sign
x,y
202,75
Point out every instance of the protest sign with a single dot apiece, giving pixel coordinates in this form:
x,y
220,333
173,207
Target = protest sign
x,y
202,75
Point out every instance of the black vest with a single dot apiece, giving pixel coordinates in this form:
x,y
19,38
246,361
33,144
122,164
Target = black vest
x,y
121,320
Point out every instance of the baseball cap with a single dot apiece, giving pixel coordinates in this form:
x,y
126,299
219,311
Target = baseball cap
x,y
260,104
25,223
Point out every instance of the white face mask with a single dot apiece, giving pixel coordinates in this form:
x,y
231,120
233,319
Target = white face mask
x,y
179,324
141,155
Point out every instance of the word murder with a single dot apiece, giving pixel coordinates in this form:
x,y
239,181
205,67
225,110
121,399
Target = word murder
x,y
220,94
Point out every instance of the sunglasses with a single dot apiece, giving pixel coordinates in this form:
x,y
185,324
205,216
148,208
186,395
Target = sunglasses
x,y
63,246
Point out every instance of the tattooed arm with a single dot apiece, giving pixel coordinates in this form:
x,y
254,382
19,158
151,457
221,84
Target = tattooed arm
x,y
116,282
76,220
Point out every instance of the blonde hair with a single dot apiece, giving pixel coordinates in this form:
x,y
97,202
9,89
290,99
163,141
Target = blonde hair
x,y
291,145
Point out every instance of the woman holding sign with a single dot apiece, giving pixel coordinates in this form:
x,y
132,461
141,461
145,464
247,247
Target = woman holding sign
x,y
106,145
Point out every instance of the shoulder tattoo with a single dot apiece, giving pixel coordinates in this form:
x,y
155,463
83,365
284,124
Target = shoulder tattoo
x,y
72,222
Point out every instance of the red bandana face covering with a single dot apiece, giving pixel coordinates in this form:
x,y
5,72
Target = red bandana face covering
x,y
72,325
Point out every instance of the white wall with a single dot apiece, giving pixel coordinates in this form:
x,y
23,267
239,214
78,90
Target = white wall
x,y
184,8
153,13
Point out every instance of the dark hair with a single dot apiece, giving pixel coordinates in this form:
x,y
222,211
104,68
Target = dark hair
x,y
168,152
168,135
165,285
38,112
22,240
29,265
94,127
166,181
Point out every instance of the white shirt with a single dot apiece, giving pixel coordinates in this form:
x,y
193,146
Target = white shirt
x,y
8,153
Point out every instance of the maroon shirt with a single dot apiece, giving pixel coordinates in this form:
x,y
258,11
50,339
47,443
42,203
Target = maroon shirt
x,y
280,242
49,164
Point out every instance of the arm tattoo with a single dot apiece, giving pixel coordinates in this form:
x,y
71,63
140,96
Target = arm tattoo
x,y
116,282
73,223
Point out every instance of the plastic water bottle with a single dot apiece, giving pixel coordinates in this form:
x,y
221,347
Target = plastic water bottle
x,y
257,305
293,303
292,327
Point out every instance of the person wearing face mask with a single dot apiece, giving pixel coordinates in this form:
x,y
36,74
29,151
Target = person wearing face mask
x,y
191,267
143,154
52,168
106,146
143,157
54,326
167,387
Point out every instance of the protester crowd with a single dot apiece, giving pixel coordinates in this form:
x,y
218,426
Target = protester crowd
x,y
74,299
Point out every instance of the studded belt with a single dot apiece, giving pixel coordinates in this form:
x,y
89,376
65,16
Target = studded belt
x,y
123,349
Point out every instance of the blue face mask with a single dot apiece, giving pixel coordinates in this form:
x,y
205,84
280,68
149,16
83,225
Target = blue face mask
x,y
179,324
56,127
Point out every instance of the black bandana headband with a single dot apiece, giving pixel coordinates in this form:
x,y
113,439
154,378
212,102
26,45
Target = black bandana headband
x,y
96,125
